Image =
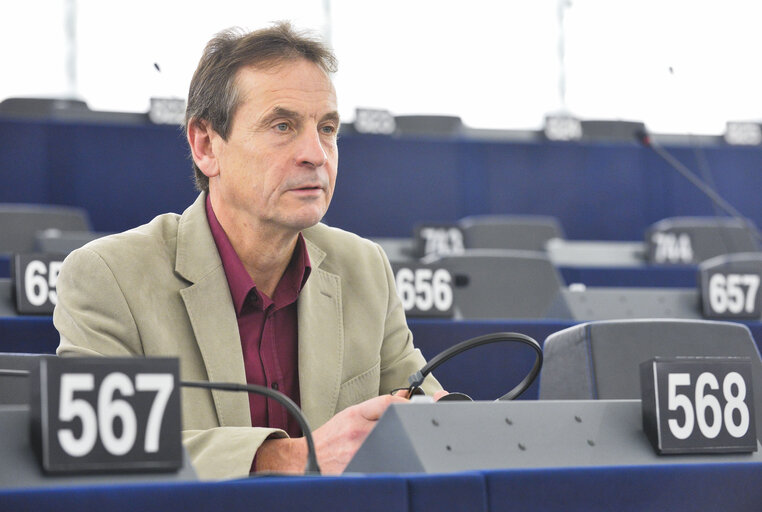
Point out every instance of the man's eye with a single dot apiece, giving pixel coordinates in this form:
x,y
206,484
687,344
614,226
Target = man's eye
x,y
281,127
328,129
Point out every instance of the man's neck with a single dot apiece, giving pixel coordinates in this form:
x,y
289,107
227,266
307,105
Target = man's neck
x,y
264,250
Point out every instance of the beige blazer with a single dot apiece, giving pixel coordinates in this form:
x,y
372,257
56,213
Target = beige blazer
x,y
160,290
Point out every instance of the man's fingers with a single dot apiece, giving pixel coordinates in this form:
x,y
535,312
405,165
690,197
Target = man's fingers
x,y
440,394
400,392
374,408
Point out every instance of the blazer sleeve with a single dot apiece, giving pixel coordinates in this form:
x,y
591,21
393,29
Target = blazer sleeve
x,y
399,357
93,318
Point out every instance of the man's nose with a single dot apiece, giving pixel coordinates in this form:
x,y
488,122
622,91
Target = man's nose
x,y
312,149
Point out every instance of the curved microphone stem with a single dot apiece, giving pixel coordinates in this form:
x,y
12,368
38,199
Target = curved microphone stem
x,y
293,409
417,378
718,200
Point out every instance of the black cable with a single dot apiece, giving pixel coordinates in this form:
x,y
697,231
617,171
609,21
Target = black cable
x,y
417,378
293,409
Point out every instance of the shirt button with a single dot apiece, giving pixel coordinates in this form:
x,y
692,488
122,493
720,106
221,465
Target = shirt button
x,y
274,385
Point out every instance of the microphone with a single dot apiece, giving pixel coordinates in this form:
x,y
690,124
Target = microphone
x,y
645,139
312,463
312,466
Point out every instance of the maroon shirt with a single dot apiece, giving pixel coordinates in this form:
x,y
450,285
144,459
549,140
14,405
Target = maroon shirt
x,y
268,328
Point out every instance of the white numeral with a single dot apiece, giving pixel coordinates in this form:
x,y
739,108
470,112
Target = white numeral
x,y
70,408
163,384
109,410
442,283
405,288
735,403
37,288
424,295
443,241
424,289
672,248
706,402
727,295
678,401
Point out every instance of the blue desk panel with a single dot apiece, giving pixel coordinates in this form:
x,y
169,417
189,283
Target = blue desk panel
x,y
650,276
676,488
123,175
673,488
646,276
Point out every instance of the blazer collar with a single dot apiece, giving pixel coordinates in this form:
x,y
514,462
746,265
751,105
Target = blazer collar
x,y
321,339
211,312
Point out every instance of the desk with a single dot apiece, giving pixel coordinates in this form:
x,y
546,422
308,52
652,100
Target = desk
x,y
645,276
484,373
676,488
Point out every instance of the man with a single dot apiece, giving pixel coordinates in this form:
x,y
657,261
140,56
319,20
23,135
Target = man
x,y
246,284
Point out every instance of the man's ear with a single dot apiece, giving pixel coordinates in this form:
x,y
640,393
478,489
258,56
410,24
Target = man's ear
x,y
200,139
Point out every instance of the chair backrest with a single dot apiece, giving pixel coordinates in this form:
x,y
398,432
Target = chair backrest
x,y
428,125
492,283
20,223
708,237
522,232
397,249
63,242
601,360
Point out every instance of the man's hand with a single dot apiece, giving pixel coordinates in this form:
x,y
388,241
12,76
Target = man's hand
x,y
336,441
339,439
439,394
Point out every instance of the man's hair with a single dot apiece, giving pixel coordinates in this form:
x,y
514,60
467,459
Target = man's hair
x,y
213,96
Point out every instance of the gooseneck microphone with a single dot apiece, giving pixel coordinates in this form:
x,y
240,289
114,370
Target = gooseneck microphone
x,y
312,466
645,139
312,463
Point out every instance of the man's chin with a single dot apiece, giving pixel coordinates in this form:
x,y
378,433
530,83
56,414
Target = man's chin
x,y
305,221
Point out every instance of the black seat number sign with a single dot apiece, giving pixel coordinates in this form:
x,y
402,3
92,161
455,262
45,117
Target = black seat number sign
x,y
425,291
732,296
438,239
35,277
106,414
698,405
671,247
730,287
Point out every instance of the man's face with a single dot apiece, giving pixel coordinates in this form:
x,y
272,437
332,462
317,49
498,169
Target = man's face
x,y
277,169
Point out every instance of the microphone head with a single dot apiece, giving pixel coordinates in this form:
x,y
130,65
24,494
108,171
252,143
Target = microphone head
x,y
643,137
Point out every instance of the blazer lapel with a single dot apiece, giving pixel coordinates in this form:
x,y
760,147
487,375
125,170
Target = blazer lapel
x,y
321,341
211,312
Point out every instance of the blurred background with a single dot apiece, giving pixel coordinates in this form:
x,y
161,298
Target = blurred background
x,y
679,66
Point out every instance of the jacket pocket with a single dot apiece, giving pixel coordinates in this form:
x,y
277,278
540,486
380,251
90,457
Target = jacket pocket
x,y
360,388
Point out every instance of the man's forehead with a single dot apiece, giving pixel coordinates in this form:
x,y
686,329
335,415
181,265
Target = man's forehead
x,y
290,81
292,73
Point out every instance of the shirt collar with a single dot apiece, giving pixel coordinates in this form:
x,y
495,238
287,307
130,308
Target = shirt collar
x,y
240,282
